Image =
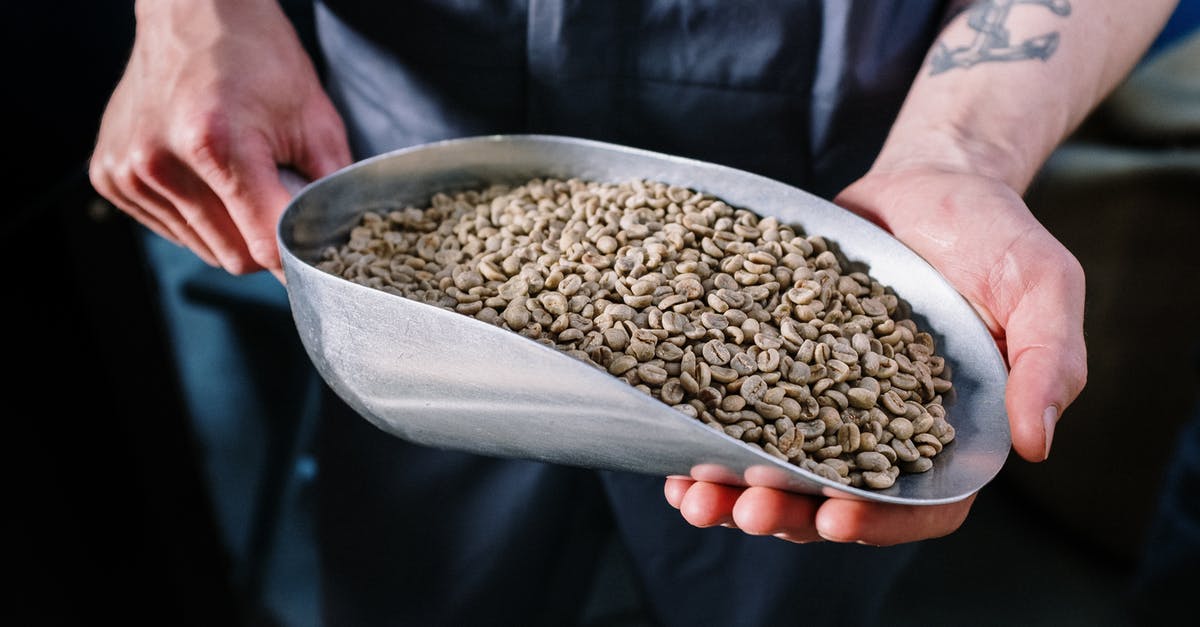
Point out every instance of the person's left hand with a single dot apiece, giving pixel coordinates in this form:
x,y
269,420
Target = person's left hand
x,y
1026,287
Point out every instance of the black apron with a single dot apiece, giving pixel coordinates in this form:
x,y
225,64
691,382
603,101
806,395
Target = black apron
x,y
800,91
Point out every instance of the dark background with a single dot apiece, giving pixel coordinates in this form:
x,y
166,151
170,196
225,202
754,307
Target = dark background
x,y
106,514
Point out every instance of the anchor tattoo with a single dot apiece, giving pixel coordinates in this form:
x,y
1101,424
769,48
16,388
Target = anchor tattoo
x,y
991,41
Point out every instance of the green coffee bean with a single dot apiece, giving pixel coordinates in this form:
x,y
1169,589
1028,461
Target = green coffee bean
x,y
871,461
753,389
722,375
651,374
826,472
774,451
838,464
920,464
887,451
878,480
733,402
743,363
906,451
891,401
862,398
901,428
849,437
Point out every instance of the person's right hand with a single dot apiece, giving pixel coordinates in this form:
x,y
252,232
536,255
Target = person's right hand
x,y
216,94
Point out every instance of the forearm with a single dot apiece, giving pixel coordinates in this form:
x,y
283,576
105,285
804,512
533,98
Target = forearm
x,y
197,23
988,106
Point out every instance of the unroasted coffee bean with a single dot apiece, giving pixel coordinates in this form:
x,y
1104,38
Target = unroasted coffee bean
x,y
753,389
871,460
652,375
878,480
862,398
906,451
622,364
748,325
923,440
811,429
715,353
672,392
902,428
920,464
849,437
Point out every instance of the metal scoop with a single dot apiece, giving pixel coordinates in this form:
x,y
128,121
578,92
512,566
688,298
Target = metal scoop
x,y
446,380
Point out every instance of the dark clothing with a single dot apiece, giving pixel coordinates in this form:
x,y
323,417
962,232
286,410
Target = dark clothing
x,y
800,91
1168,574
415,536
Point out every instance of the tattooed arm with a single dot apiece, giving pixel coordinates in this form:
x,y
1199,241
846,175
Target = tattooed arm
x,y
1004,84
1008,79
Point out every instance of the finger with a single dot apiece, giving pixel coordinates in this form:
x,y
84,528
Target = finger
x,y
885,524
161,210
251,190
326,152
203,212
1047,358
326,148
674,489
765,511
105,187
708,504
100,173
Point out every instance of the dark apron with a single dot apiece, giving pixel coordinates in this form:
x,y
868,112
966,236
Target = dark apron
x,y
803,92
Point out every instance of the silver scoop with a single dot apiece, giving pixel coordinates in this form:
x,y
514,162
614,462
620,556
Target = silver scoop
x,y
442,379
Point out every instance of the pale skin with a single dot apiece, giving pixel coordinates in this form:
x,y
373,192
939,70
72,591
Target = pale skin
x,y
215,97
219,94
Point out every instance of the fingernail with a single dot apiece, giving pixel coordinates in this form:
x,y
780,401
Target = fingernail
x,y
1049,418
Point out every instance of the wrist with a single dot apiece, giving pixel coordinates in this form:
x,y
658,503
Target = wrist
x,y
186,12
953,148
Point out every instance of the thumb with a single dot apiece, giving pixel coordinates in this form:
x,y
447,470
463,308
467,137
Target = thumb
x,y
1047,358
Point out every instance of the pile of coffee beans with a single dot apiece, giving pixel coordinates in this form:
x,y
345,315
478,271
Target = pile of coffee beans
x,y
735,320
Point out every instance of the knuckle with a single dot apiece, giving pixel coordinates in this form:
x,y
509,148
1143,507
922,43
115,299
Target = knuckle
x,y
206,140
125,177
1071,265
99,178
1079,371
1072,370
150,162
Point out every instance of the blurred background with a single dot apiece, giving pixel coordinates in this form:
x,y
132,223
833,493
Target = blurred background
x,y
123,504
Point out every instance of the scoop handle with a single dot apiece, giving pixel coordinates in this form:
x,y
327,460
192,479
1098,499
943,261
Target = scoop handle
x,y
292,180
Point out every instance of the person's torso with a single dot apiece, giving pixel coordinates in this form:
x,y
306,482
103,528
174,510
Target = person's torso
x,y
802,91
